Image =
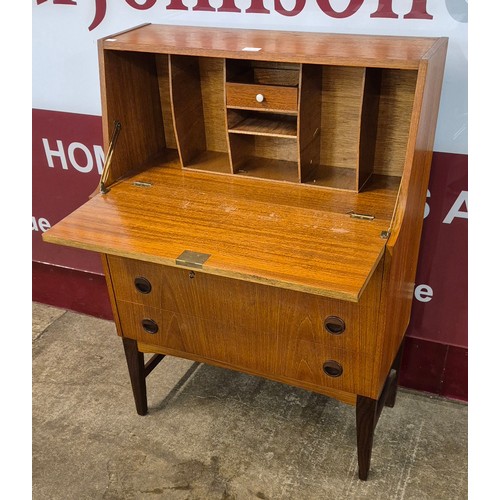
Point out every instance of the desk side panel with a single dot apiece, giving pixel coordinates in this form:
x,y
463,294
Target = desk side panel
x,y
401,257
130,94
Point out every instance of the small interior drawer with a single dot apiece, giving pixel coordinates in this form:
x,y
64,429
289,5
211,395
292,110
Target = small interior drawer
x,y
263,97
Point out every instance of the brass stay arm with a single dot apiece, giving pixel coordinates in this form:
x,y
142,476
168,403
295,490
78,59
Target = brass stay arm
x,y
107,163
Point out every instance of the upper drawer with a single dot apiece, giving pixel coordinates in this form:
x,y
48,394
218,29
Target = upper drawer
x,y
261,97
239,304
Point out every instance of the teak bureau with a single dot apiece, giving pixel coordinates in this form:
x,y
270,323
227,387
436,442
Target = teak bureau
x,y
261,203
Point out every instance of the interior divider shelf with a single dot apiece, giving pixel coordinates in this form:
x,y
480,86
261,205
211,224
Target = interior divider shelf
x,y
268,168
263,72
198,110
262,124
327,126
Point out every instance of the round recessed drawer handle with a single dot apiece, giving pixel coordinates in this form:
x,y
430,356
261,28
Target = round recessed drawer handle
x,y
142,284
149,325
332,368
334,325
259,98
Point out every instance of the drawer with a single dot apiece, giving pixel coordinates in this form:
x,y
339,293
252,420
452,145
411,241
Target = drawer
x,y
238,304
163,328
338,369
190,293
253,350
261,97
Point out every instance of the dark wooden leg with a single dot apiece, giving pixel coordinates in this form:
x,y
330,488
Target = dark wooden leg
x,y
367,414
137,372
393,388
366,420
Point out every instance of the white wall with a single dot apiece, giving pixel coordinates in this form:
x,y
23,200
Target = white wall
x,y
65,68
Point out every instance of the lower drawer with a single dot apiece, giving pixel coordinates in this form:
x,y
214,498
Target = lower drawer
x,y
256,351
349,371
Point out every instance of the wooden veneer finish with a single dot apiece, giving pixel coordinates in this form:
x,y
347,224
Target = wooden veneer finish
x,y
350,130
290,240
290,47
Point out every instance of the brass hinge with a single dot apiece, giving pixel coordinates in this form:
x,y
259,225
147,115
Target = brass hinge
x,y
142,184
355,215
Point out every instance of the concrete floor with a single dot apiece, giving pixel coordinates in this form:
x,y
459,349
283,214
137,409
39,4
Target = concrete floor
x,y
217,434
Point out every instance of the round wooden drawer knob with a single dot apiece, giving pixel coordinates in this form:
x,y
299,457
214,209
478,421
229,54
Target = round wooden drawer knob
x,y
332,368
334,325
142,284
259,98
149,326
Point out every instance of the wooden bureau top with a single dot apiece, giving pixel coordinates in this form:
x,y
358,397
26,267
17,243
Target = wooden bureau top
x,y
293,236
295,47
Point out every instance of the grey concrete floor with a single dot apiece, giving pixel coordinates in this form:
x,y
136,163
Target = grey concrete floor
x,y
217,434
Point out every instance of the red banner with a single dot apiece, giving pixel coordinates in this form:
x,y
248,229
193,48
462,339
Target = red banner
x,y
440,304
67,161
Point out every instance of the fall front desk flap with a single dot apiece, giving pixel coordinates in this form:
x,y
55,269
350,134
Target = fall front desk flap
x,y
321,241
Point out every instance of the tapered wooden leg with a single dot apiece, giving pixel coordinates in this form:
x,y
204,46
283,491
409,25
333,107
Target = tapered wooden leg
x,y
393,387
368,412
137,372
366,420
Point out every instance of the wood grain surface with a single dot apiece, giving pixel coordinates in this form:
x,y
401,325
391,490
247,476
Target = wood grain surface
x,y
294,47
264,124
341,103
212,80
397,94
300,239
401,258
131,96
263,72
162,69
287,240
239,303
254,328
187,107
368,125
343,396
